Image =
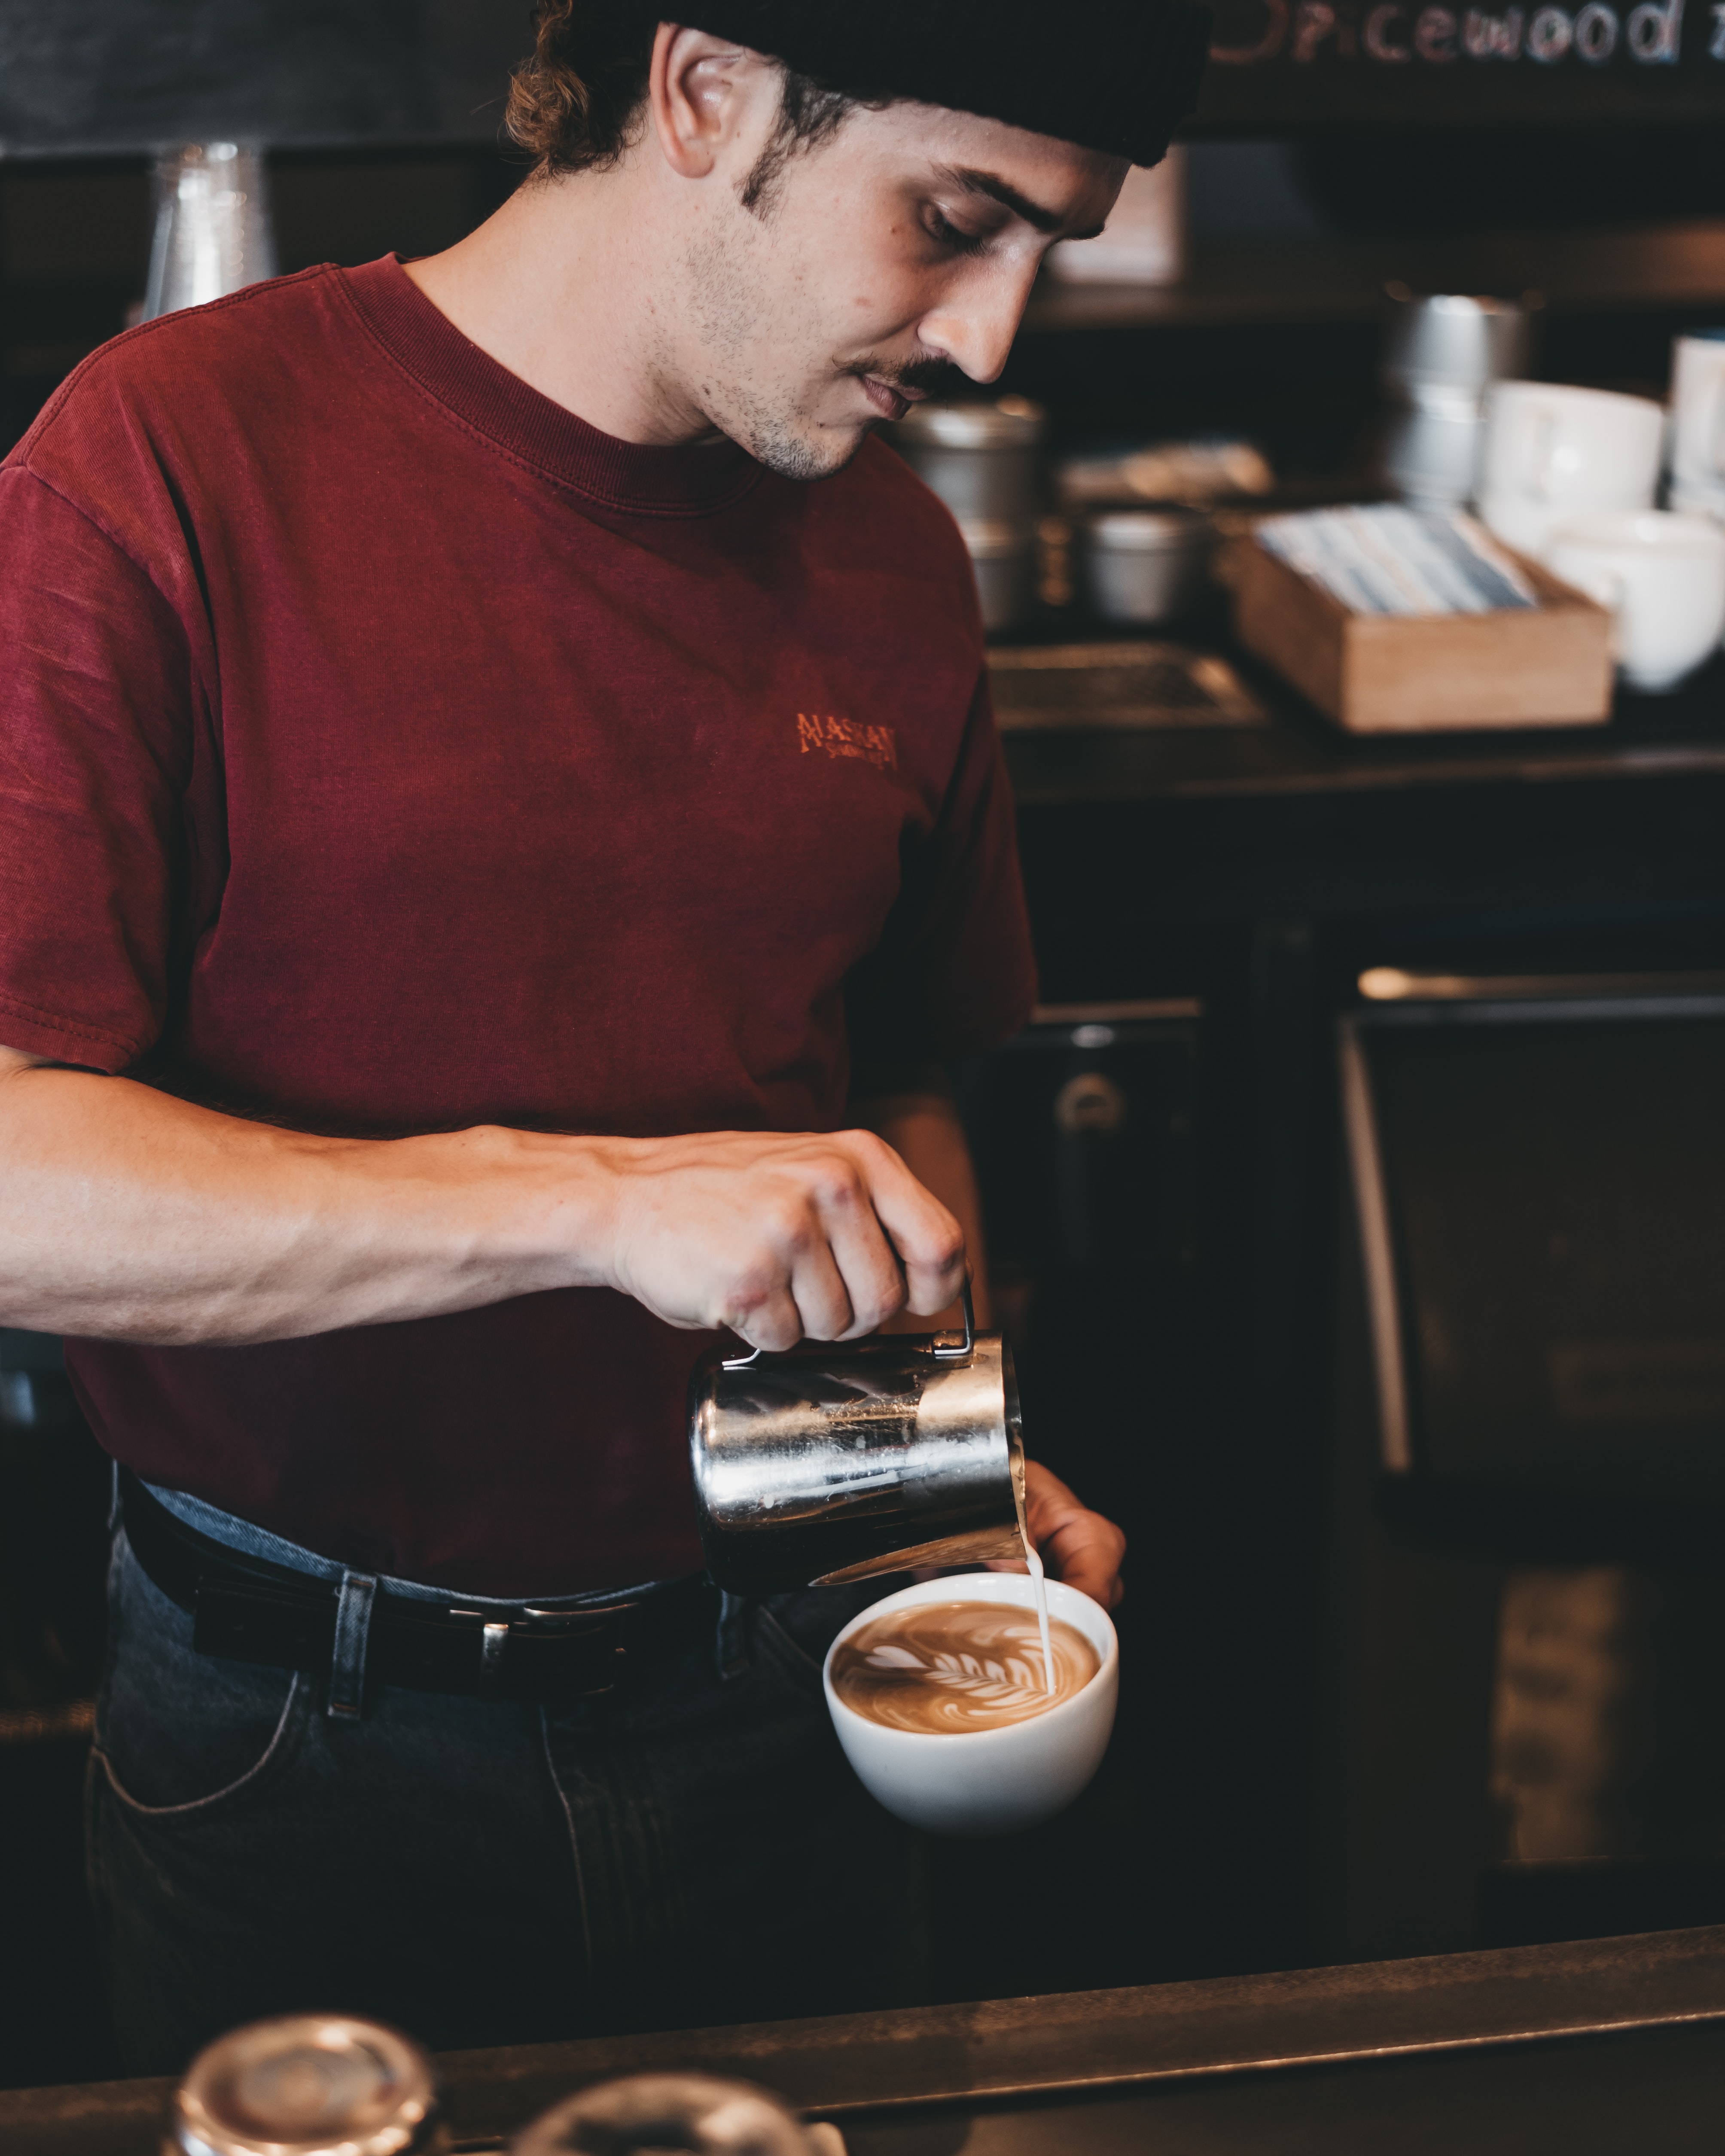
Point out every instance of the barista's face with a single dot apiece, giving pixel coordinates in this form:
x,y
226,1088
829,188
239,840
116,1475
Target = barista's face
x,y
878,265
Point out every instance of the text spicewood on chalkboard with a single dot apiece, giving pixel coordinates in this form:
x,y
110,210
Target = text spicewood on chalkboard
x,y
1366,59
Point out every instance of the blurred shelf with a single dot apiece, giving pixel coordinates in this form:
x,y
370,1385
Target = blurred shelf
x,y
1240,281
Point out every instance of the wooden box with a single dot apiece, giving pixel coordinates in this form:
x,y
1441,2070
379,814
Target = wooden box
x,y
1548,665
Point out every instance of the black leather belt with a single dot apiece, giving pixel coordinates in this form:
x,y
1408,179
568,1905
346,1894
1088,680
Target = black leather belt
x,y
250,1610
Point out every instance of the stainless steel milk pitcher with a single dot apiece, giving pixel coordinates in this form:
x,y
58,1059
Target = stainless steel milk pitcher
x,y
831,1463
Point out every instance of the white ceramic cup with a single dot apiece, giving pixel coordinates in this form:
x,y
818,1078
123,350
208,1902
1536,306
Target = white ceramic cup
x,y
985,1781
1698,413
1552,452
1663,576
1708,501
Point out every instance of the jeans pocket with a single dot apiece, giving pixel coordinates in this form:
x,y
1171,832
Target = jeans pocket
x,y
176,1731
791,1633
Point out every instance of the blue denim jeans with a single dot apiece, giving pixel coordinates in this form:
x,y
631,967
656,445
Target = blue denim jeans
x,y
690,1849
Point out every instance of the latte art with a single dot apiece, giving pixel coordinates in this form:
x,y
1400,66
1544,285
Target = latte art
x,y
944,1668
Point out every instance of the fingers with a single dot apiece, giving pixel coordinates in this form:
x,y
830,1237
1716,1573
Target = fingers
x,y
825,1271
771,1320
928,1242
780,1239
1085,1554
1080,1547
860,1261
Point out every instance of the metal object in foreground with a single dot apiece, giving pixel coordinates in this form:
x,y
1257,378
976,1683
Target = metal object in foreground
x,y
307,2084
697,2113
1146,565
1004,556
980,459
833,1463
212,228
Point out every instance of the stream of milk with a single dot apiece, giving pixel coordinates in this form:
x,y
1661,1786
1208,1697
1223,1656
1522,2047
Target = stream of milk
x,y
1040,1578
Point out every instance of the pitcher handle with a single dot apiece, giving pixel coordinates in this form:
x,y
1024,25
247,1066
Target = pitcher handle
x,y
944,1349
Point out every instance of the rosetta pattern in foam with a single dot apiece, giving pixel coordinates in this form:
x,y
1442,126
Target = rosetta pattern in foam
x,y
946,1668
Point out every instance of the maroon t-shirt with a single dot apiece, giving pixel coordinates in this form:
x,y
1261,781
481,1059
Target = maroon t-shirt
x,y
384,750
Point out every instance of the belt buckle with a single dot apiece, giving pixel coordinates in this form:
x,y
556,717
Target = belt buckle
x,y
532,1622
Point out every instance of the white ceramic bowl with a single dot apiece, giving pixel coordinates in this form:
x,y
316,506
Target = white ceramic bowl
x,y
985,1781
1663,578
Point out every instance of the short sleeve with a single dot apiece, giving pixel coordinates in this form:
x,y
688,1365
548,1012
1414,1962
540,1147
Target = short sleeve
x,y
95,730
954,971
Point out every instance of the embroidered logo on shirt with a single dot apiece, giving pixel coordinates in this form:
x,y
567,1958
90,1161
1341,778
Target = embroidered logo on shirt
x,y
845,738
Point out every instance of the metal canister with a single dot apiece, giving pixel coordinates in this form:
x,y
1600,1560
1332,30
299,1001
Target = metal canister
x,y
697,2113
979,457
1004,556
307,2084
836,1463
1444,350
213,233
1146,565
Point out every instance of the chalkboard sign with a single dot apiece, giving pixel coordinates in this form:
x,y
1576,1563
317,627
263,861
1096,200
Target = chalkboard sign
x,y
80,76
1279,66
106,75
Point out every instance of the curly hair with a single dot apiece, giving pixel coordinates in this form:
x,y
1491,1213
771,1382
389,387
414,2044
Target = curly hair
x,y
579,103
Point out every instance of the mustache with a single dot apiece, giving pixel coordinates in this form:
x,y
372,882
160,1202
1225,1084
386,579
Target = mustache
x,y
935,376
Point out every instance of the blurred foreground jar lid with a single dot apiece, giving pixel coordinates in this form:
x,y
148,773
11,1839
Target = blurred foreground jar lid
x,y
697,2113
1199,469
992,539
1005,423
1148,531
307,2084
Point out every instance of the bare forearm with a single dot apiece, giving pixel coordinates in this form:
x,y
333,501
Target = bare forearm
x,y
127,1214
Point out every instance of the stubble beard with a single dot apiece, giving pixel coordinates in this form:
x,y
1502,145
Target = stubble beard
x,y
778,429
786,438
784,435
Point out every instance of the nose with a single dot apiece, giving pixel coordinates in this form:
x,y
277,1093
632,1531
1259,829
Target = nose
x,y
975,324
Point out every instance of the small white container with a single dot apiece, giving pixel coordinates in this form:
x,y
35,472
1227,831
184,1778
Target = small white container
x,y
1697,431
985,1781
1146,565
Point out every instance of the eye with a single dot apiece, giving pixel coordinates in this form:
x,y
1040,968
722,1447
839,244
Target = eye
x,y
942,228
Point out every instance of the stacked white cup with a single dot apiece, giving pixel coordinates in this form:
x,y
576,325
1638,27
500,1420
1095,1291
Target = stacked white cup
x,y
1697,429
1443,351
1553,452
1568,475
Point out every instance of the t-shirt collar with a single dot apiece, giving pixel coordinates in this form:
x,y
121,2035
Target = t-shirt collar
x,y
690,479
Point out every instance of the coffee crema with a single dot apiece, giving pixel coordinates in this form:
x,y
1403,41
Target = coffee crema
x,y
944,1668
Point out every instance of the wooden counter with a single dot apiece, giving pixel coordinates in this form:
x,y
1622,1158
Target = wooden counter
x,y
1616,2043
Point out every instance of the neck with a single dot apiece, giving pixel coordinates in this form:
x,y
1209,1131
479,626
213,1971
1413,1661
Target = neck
x,y
557,287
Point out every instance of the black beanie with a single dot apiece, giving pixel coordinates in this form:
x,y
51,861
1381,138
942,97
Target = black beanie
x,y
1114,76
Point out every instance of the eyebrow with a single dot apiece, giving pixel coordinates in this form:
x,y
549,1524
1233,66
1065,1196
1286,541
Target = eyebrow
x,y
1007,196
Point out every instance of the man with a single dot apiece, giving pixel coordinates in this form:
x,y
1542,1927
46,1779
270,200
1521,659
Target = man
x,y
492,860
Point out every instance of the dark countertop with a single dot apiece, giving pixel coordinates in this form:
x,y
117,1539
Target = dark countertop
x,y
1296,751
1643,2019
1126,833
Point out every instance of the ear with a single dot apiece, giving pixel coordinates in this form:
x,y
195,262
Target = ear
x,y
698,90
